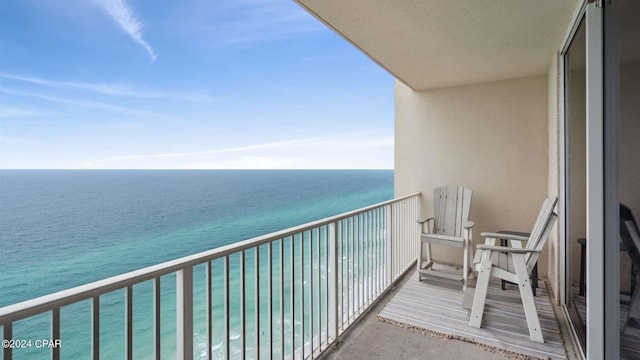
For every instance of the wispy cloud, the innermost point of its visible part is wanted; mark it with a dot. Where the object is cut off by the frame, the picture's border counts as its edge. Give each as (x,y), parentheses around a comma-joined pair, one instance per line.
(8,111)
(340,151)
(122,14)
(252,31)
(209,152)
(83,103)
(246,22)
(107,89)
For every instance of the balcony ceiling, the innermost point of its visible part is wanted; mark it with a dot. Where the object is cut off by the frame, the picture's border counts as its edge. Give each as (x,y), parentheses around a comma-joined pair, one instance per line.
(441,43)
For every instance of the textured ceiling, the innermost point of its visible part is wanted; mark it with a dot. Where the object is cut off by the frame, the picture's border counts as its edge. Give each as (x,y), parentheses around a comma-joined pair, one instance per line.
(439,43)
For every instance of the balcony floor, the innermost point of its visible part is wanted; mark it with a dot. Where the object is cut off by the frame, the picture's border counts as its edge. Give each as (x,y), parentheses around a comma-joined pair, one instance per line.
(424,320)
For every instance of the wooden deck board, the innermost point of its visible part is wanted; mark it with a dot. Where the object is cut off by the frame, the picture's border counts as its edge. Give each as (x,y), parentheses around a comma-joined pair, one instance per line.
(435,304)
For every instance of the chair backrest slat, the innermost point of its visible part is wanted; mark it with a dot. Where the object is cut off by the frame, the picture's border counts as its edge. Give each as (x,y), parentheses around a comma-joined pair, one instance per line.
(541,222)
(438,209)
(541,230)
(451,205)
(532,258)
(466,207)
(459,210)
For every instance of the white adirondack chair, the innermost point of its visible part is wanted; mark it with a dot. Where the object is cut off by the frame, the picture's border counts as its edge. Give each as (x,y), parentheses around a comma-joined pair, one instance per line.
(449,226)
(513,264)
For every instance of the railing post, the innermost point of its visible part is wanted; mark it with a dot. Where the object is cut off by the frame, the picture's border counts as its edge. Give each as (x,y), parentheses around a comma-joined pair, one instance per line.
(184,315)
(55,333)
(157,340)
(333,283)
(416,230)
(256,276)
(128,322)
(7,334)
(243,328)
(95,328)
(389,243)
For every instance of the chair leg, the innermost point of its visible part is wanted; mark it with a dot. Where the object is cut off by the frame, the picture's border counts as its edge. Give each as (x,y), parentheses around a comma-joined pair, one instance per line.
(470,259)
(465,266)
(534,279)
(503,283)
(535,332)
(419,262)
(482,285)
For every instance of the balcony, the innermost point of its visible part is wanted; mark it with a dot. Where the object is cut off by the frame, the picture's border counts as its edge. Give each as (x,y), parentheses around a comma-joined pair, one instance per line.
(305,292)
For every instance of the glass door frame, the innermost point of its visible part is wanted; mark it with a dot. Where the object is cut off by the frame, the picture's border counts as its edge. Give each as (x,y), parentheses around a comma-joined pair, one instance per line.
(563,226)
(611,202)
(602,338)
(595,184)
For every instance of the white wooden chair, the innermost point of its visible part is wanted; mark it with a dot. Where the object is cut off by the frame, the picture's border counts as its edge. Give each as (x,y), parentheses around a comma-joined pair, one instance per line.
(513,264)
(449,226)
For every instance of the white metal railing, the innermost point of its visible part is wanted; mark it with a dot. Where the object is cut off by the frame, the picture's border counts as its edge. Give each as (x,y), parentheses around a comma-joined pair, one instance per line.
(302,287)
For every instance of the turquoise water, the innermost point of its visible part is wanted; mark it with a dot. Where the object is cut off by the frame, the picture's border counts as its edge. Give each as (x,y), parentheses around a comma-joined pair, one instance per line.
(60,229)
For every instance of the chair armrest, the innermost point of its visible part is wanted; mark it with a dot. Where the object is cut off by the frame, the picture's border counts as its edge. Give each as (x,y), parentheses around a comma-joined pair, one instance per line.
(424,221)
(469,224)
(506,249)
(504,236)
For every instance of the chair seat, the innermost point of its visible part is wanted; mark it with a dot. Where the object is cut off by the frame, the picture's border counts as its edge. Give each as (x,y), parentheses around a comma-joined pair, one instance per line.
(447,240)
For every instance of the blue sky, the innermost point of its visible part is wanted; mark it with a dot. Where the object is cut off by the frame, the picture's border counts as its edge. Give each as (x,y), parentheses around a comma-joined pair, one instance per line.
(98,84)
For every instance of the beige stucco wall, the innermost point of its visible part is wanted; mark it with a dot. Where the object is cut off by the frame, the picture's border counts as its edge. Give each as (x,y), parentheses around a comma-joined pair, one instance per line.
(491,137)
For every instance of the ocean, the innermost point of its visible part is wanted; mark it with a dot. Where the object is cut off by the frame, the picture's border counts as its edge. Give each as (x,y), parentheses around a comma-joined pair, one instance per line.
(64,228)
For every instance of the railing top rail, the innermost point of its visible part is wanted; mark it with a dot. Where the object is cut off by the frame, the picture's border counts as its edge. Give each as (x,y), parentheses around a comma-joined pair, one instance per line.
(44,303)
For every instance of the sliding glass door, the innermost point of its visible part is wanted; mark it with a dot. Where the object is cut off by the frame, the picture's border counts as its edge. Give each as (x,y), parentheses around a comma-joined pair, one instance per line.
(601,179)
(575,126)
(625,56)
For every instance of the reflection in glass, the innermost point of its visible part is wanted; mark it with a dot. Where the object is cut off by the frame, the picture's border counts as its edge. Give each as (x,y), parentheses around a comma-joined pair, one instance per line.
(575,142)
(629,176)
